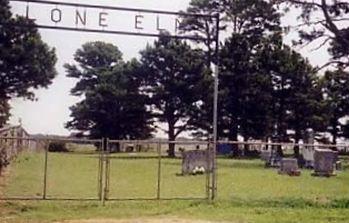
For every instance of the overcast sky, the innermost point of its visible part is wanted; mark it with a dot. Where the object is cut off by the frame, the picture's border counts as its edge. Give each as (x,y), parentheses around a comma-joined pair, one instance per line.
(48,114)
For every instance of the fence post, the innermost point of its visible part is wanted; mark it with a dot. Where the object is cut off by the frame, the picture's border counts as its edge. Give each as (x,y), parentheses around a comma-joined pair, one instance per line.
(47,144)
(100,170)
(13,152)
(3,155)
(159,170)
(208,171)
(107,169)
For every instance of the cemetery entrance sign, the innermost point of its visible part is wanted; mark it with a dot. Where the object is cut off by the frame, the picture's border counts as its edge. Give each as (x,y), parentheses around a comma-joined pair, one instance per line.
(68,16)
(105,19)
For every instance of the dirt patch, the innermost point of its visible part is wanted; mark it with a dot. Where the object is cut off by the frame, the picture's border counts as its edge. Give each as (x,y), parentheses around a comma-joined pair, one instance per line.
(171,220)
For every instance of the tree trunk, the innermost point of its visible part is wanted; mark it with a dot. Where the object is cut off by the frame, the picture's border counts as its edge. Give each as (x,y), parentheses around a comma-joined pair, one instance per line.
(171,137)
(246,147)
(281,129)
(266,141)
(233,136)
(209,59)
(296,147)
(334,134)
(279,151)
(297,154)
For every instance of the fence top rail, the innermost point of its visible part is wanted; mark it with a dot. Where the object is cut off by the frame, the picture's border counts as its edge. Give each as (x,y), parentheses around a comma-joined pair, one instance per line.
(77,140)
(283,144)
(72,140)
(159,141)
(229,142)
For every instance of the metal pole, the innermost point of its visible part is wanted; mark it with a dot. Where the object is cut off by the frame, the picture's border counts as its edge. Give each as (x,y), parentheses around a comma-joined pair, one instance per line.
(100,171)
(45,170)
(208,172)
(159,171)
(215,112)
(107,170)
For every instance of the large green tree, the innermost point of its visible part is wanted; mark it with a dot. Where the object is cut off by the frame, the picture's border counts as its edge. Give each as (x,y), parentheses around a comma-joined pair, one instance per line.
(112,105)
(249,17)
(204,27)
(242,86)
(249,22)
(175,80)
(26,62)
(297,98)
(268,89)
(336,94)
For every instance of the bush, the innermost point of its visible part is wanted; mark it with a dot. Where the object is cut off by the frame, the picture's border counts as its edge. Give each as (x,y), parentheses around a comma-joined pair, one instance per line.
(58,147)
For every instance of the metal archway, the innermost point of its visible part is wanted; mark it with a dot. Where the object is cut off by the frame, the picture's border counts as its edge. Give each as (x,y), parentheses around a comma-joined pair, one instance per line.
(56,23)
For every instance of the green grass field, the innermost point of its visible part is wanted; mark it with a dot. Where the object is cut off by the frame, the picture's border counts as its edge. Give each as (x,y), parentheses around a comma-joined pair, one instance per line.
(247,192)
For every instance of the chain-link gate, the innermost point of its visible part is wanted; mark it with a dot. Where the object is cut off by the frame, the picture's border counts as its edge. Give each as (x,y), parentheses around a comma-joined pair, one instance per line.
(103,169)
(106,157)
(82,164)
(142,170)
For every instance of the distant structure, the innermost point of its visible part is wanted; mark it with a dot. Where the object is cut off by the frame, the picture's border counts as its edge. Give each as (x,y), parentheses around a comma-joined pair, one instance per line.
(13,140)
(16,131)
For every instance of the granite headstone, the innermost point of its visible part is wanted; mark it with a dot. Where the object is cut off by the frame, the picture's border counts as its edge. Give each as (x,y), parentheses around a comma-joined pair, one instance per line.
(195,159)
(289,166)
(324,162)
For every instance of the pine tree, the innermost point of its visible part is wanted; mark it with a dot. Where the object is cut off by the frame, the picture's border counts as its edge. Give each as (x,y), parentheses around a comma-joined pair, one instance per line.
(175,80)
(112,104)
(336,94)
(249,21)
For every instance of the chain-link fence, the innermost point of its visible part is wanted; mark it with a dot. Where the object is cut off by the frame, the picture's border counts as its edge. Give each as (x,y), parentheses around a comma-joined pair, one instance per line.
(28,156)
(290,172)
(107,170)
(75,169)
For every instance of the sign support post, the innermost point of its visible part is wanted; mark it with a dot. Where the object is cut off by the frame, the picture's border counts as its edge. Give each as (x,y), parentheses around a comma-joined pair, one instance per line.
(215,112)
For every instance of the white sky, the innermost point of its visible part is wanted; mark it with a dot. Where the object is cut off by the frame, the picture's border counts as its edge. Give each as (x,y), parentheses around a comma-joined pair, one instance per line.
(48,114)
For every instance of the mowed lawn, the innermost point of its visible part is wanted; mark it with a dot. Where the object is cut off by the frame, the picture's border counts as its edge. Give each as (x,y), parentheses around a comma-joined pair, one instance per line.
(247,192)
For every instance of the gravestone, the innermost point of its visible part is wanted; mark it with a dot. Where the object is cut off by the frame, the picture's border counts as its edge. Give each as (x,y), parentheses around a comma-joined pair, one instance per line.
(324,162)
(289,167)
(195,159)
(265,155)
(308,151)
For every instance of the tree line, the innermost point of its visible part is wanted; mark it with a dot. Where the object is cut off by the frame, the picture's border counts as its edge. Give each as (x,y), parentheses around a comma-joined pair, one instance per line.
(267,89)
